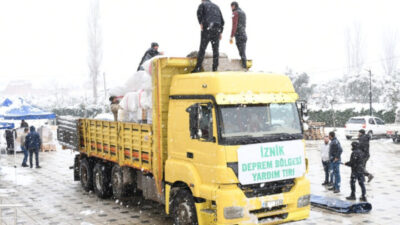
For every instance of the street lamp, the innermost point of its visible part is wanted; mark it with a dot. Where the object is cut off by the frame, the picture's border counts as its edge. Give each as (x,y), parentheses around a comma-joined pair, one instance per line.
(370,92)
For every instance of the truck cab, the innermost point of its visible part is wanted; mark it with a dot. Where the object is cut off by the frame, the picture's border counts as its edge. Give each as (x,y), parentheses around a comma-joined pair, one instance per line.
(236,153)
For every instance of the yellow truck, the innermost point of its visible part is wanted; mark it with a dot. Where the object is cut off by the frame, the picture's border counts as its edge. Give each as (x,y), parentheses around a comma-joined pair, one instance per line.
(223,148)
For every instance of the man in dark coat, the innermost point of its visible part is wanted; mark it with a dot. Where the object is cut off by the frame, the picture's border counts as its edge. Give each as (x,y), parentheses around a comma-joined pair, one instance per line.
(363,140)
(239,31)
(335,152)
(24,124)
(211,25)
(150,53)
(33,144)
(357,171)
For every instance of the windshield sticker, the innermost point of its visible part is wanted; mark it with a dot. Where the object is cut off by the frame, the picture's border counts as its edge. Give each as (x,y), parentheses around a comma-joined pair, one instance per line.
(259,163)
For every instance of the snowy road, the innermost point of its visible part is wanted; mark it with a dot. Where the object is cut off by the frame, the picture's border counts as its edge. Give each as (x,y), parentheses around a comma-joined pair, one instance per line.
(50,196)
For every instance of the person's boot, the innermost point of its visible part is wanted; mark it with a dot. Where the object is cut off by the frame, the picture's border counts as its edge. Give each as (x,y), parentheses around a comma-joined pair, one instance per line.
(196,70)
(336,191)
(24,165)
(325,183)
(351,197)
(363,198)
(38,167)
(331,188)
(370,177)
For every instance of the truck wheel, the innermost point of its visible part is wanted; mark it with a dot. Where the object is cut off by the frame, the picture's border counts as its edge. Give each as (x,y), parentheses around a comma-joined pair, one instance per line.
(184,209)
(86,175)
(118,187)
(348,137)
(101,180)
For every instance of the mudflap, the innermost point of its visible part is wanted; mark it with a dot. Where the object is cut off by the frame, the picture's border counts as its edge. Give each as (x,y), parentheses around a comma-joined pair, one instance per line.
(340,206)
(76,167)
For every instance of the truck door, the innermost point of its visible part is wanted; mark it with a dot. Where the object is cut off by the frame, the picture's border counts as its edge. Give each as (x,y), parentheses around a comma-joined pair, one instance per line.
(193,138)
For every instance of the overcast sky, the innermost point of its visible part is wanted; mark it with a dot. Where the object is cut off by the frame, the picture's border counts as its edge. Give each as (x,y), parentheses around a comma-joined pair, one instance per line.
(45,41)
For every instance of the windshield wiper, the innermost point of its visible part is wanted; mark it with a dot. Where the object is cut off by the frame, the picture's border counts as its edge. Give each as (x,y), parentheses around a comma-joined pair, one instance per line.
(287,136)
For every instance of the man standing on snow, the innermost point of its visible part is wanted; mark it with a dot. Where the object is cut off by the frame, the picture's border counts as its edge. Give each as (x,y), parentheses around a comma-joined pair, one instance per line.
(357,172)
(239,31)
(335,152)
(33,144)
(325,161)
(24,124)
(363,139)
(23,138)
(211,25)
(150,53)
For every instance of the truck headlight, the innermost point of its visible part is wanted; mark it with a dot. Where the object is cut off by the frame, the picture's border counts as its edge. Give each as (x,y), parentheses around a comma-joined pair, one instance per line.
(303,201)
(233,212)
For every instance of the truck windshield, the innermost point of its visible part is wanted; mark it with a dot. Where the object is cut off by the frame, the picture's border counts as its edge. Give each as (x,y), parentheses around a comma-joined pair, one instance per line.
(257,121)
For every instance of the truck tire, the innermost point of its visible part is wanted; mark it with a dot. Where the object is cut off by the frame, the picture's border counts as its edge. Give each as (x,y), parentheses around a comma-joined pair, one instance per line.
(184,209)
(119,189)
(85,173)
(102,181)
(349,137)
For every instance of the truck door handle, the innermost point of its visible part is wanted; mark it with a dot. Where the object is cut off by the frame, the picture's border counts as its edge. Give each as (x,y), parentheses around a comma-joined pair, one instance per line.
(189,155)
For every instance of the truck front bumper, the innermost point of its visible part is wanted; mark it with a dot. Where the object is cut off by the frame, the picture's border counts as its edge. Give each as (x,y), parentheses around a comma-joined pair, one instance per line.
(233,207)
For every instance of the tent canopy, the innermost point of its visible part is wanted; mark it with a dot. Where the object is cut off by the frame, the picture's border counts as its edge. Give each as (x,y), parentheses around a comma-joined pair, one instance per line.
(27,112)
(6,125)
(7,102)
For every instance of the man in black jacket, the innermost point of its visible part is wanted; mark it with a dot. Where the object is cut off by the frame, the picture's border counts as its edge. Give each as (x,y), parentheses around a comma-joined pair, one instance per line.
(150,53)
(335,152)
(363,140)
(357,171)
(211,25)
(33,143)
(239,31)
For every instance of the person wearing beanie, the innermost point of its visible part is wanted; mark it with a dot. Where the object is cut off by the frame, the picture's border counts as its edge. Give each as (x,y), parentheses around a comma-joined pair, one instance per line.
(150,53)
(363,140)
(357,172)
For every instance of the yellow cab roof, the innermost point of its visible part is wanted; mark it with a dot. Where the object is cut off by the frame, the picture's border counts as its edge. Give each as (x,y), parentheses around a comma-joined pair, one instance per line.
(235,87)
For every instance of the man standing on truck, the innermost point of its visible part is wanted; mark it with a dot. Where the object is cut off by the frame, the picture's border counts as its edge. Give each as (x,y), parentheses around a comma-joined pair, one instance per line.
(363,139)
(335,152)
(150,53)
(211,25)
(239,31)
(33,144)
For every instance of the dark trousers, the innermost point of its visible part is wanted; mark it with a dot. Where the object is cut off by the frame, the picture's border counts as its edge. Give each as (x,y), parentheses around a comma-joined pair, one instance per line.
(336,174)
(207,36)
(366,173)
(361,180)
(327,169)
(25,155)
(31,151)
(241,45)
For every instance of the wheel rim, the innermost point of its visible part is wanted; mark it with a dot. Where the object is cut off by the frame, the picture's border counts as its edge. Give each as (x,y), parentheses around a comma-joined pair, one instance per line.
(116,181)
(98,181)
(84,176)
(183,214)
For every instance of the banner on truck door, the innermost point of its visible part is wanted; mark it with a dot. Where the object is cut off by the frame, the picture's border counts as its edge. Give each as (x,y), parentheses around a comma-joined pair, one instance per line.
(259,163)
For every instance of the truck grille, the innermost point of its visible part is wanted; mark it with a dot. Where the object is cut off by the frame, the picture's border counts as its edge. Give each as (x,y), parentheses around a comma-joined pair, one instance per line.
(270,188)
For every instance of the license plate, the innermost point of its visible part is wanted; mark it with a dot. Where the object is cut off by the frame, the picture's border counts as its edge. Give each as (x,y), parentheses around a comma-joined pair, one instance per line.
(273,203)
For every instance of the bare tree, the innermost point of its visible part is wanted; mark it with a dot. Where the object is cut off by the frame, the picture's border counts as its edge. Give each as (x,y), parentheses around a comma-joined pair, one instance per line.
(95,45)
(390,60)
(355,49)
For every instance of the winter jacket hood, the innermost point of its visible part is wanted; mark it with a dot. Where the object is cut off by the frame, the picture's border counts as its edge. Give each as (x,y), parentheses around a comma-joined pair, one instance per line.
(32,129)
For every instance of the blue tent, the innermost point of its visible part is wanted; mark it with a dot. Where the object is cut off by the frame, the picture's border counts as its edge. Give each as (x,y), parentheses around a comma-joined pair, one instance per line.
(7,102)
(27,112)
(6,125)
